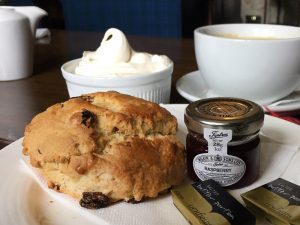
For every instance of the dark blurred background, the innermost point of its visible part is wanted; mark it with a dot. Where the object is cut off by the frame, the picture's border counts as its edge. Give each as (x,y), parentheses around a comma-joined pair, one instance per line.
(164,18)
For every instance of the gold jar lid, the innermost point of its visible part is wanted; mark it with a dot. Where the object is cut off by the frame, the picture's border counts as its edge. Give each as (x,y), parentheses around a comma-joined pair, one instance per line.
(241,116)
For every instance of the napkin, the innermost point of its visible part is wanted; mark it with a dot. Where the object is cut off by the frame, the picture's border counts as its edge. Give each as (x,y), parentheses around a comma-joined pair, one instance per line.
(277,160)
(292,173)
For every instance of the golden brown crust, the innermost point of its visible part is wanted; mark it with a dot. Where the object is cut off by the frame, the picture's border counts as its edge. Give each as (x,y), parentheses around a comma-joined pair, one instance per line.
(121,146)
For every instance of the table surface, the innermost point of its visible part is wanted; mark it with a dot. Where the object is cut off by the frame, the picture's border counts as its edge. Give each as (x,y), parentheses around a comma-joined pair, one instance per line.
(22,99)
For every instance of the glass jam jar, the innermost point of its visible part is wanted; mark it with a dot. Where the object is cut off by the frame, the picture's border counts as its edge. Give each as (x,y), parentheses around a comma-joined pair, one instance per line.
(223,140)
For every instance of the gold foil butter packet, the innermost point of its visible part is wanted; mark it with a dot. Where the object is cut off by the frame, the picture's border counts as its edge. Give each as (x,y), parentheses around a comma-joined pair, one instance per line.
(207,203)
(277,201)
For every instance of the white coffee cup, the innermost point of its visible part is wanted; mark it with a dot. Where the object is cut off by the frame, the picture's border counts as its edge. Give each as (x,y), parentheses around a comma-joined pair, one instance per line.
(258,62)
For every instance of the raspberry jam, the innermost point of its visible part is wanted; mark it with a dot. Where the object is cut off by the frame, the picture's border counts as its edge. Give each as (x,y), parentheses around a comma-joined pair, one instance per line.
(223,142)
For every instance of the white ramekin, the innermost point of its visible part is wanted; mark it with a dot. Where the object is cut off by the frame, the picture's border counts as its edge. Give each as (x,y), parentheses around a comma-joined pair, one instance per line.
(155,87)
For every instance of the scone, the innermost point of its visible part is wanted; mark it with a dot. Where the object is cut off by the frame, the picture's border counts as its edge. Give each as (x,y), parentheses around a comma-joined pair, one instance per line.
(105,147)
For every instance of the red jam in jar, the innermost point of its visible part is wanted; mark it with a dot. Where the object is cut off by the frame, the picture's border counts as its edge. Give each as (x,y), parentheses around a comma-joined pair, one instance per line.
(223,141)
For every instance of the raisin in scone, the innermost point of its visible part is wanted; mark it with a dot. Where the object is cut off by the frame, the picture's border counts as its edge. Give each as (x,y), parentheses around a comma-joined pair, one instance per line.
(115,145)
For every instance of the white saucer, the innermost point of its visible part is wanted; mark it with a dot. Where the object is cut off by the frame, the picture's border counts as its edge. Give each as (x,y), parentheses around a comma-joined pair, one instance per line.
(193,87)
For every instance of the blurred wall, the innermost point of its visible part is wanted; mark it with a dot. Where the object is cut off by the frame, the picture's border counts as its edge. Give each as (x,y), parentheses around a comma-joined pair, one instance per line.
(195,13)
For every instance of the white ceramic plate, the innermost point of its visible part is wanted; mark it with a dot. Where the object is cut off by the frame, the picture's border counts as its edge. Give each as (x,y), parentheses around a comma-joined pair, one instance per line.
(193,87)
(24,202)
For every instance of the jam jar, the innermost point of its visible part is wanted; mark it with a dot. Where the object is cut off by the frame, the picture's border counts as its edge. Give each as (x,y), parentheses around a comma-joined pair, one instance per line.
(223,140)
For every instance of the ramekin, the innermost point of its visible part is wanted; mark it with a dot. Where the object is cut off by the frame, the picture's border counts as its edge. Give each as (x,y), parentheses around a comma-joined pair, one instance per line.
(155,87)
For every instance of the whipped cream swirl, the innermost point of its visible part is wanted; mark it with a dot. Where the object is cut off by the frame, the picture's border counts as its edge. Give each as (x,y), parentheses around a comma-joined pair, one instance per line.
(115,57)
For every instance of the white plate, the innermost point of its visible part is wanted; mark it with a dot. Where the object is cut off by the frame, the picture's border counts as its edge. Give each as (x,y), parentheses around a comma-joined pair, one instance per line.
(24,202)
(193,87)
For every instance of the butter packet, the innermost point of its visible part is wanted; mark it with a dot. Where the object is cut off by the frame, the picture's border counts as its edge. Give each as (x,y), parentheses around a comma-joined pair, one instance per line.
(277,201)
(207,203)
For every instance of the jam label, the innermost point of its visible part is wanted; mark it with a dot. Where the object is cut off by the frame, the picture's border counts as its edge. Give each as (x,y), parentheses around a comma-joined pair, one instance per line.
(217,164)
